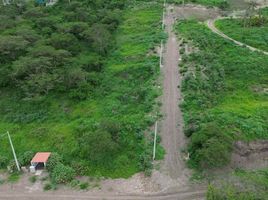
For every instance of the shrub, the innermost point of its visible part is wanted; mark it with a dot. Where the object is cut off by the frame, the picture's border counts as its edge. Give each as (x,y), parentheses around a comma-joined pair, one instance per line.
(84,186)
(13,178)
(81,168)
(210,147)
(62,174)
(33,179)
(3,162)
(53,161)
(26,158)
(146,163)
(12,166)
(47,186)
(74,183)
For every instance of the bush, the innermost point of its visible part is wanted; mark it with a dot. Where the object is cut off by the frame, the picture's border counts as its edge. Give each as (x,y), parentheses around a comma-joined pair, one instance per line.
(81,168)
(53,161)
(84,186)
(74,183)
(146,163)
(26,158)
(12,166)
(210,147)
(3,162)
(33,179)
(62,174)
(47,186)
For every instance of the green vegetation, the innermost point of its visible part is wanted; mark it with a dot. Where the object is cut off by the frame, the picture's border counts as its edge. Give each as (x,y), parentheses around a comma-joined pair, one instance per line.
(13,178)
(48,186)
(62,174)
(84,186)
(250,185)
(223,4)
(252,32)
(78,79)
(33,179)
(224,96)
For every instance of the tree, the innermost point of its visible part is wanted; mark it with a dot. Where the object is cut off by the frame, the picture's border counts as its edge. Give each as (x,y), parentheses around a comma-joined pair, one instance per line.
(100,38)
(11,47)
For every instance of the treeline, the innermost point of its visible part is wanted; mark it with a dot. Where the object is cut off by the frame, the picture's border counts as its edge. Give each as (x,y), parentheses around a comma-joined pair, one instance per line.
(56,49)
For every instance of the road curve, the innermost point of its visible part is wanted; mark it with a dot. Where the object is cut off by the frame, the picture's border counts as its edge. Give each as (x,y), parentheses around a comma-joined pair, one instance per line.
(212,27)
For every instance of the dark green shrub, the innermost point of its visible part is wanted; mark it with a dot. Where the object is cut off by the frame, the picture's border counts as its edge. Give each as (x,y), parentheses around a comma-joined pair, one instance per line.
(210,147)
(53,160)
(33,179)
(81,168)
(62,174)
(84,186)
(26,158)
(3,162)
(47,186)
(146,163)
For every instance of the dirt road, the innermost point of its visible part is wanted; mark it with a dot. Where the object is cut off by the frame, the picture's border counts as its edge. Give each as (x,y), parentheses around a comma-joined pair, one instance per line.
(212,27)
(173,138)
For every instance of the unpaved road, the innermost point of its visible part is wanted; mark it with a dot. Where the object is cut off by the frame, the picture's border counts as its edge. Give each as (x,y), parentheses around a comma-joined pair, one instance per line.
(212,27)
(173,138)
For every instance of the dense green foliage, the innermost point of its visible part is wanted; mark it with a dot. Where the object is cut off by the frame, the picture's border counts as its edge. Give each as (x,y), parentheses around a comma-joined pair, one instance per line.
(56,49)
(218,3)
(225,97)
(254,34)
(62,174)
(250,185)
(72,82)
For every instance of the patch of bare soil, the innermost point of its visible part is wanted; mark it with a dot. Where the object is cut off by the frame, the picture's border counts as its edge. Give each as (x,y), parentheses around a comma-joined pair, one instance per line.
(198,12)
(251,155)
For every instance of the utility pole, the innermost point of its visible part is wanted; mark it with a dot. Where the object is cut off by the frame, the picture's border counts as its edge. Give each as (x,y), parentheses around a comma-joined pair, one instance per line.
(13,151)
(155,134)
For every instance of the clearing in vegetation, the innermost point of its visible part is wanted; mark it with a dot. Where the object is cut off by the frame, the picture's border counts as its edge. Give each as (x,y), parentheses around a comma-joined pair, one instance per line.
(80,84)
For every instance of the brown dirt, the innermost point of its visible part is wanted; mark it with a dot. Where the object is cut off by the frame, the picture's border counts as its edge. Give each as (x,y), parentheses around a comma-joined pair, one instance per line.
(251,155)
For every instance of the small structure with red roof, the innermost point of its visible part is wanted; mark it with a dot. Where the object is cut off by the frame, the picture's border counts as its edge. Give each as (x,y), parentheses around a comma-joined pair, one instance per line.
(39,161)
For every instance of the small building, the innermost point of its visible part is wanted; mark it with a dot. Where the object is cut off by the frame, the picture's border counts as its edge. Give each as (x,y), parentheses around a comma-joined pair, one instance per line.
(39,161)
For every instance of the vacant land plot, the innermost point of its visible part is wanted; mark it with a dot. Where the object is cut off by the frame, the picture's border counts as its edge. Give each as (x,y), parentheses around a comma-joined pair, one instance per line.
(225,95)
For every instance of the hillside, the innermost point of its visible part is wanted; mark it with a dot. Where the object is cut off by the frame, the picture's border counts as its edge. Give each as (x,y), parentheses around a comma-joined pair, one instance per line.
(80,84)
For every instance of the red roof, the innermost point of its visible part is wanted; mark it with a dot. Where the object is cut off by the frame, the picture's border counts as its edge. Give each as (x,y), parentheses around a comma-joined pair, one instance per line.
(41,157)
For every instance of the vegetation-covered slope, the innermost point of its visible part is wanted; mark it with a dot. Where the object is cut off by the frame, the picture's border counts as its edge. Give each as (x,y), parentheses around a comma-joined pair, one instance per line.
(225,97)
(217,3)
(74,83)
(253,34)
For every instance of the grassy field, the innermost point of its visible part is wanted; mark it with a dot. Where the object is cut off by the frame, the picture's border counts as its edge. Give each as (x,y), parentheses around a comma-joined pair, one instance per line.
(225,97)
(123,104)
(210,3)
(255,36)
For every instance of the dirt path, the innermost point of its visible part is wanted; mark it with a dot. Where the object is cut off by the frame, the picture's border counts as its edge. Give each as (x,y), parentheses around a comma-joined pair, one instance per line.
(212,27)
(173,138)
